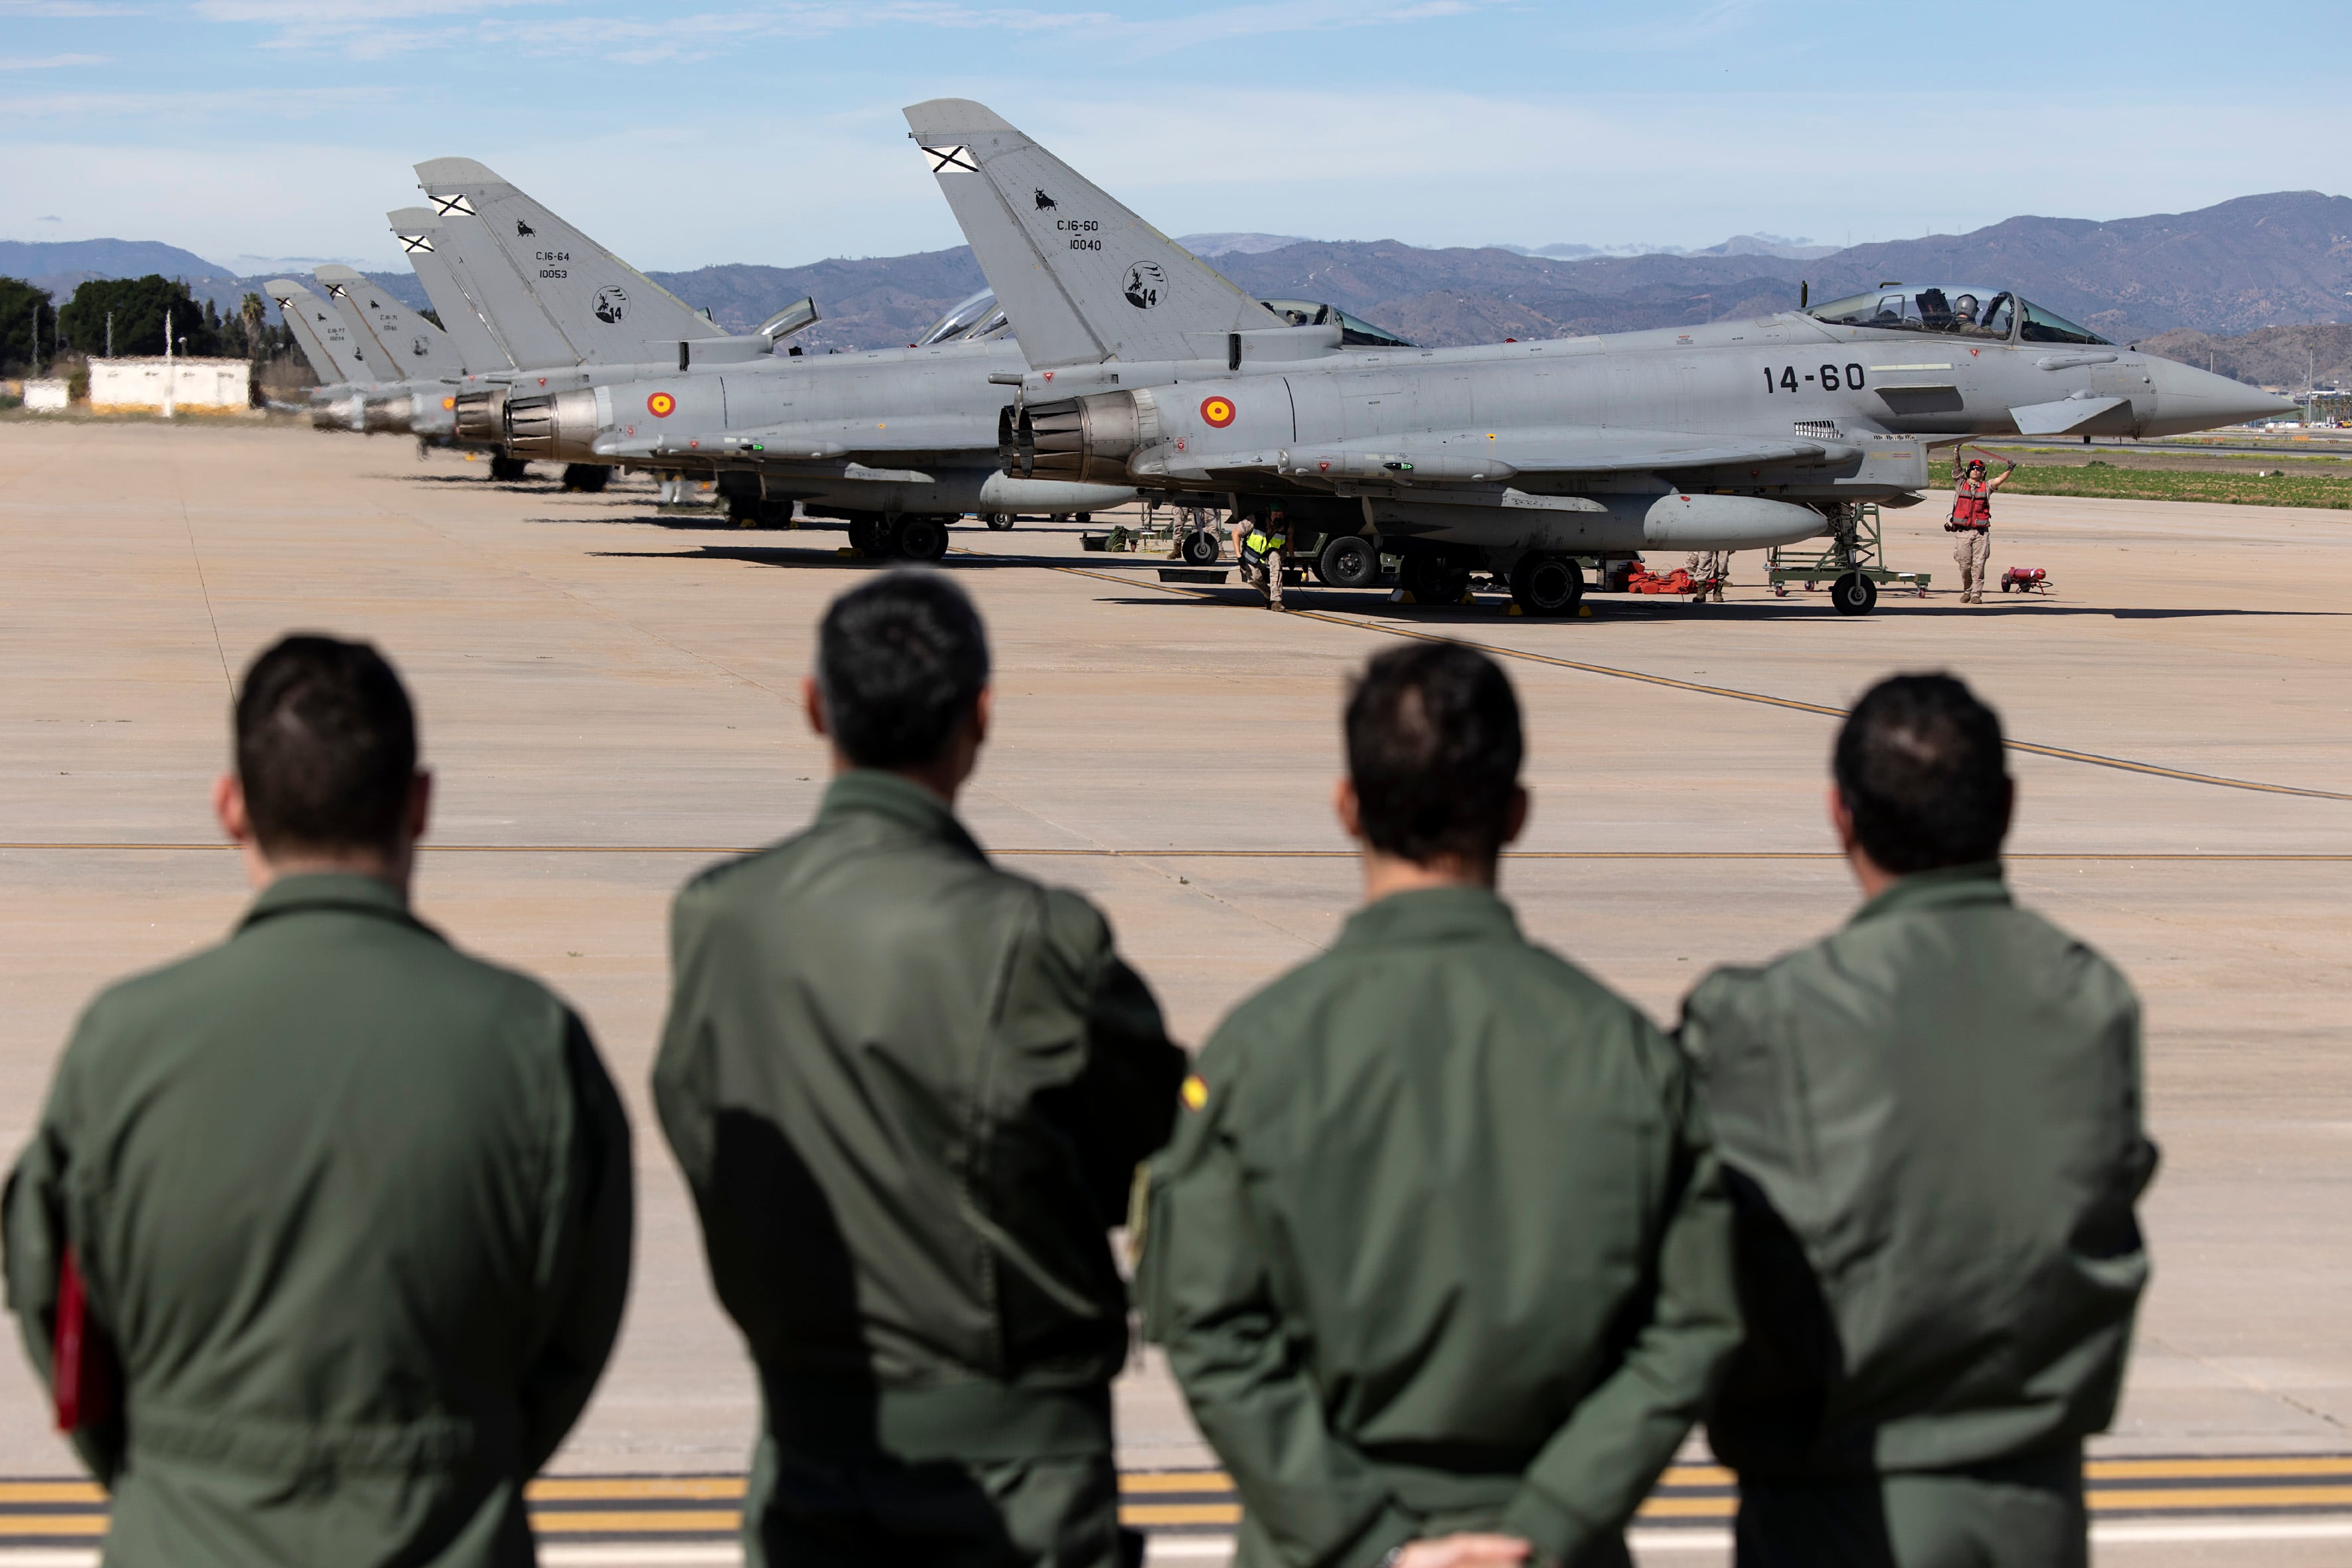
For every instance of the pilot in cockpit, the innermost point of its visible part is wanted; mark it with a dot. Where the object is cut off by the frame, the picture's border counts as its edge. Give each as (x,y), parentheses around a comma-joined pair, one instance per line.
(1964,310)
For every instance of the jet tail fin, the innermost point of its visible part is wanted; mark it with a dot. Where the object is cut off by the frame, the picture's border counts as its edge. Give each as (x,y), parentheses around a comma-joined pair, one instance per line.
(1082,278)
(326,341)
(419,231)
(605,309)
(409,346)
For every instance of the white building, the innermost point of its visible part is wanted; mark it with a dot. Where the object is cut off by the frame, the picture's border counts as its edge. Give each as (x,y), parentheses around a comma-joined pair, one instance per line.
(45,397)
(172,385)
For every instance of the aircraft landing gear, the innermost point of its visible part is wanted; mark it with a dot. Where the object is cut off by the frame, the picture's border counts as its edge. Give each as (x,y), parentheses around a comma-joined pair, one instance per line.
(872,535)
(1001,521)
(1198,548)
(509,469)
(1434,579)
(1853,595)
(587,479)
(922,538)
(1349,561)
(1546,585)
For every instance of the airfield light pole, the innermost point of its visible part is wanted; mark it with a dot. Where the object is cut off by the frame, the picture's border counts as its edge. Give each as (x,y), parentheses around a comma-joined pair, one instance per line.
(171,403)
(109,334)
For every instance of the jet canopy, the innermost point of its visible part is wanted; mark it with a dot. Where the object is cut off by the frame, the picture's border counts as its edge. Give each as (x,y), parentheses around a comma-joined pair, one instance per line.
(1957,309)
(971,321)
(1355,333)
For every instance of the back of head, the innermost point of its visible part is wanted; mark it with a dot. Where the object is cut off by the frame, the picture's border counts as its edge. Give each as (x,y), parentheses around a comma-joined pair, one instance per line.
(1434,750)
(326,747)
(1919,765)
(900,662)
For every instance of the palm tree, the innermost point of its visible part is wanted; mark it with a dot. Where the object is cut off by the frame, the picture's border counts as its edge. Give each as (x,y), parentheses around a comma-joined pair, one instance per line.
(252,310)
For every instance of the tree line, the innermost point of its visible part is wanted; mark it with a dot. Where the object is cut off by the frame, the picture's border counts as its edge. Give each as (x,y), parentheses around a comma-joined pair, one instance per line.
(125,316)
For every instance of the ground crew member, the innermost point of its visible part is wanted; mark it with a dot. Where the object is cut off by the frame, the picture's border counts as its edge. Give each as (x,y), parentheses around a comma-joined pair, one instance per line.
(1709,566)
(330,1220)
(910,1091)
(1262,543)
(1972,520)
(1930,1121)
(1439,1256)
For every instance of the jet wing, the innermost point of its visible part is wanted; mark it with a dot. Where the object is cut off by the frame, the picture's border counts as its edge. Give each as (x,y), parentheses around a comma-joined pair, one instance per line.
(1482,458)
(2064,417)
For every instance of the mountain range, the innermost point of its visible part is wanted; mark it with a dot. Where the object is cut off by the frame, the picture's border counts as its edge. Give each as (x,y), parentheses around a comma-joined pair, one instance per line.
(2277,261)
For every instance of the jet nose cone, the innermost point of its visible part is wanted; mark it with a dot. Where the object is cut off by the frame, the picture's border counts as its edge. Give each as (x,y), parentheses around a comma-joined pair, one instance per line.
(2190,399)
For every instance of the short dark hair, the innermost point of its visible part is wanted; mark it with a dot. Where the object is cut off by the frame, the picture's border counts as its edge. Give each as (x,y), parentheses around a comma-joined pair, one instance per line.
(900,661)
(326,746)
(1919,765)
(1434,749)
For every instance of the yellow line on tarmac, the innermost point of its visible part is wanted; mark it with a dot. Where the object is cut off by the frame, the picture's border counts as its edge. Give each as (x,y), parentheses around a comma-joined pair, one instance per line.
(600,1521)
(2182,1469)
(2034,748)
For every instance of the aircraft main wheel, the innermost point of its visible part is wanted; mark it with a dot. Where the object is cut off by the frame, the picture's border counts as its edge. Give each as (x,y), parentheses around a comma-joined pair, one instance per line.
(1200,547)
(1548,585)
(867,535)
(744,511)
(1001,521)
(1433,580)
(1084,517)
(509,469)
(1349,561)
(922,538)
(1854,595)
(587,479)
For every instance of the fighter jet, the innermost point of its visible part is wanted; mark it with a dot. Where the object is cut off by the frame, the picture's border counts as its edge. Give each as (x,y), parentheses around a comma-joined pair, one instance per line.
(895,442)
(340,400)
(565,312)
(1147,367)
(421,367)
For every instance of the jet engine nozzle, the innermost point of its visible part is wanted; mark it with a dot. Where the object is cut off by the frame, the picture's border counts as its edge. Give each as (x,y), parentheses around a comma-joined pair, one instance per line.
(482,416)
(560,427)
(1081,439)
(379,415)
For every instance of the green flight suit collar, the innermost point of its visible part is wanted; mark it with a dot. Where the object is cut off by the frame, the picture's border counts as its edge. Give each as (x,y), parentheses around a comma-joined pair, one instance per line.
(1430,914)
(875,793)
(330,890)
(1947,886)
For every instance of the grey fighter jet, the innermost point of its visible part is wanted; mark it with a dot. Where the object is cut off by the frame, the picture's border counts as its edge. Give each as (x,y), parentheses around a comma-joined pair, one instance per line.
(895,442)
(565,312)
(340,400)
(422,367)
(1147,367)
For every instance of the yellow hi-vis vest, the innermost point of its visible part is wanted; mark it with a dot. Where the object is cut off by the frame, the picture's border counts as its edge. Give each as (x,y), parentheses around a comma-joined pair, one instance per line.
(1258,540)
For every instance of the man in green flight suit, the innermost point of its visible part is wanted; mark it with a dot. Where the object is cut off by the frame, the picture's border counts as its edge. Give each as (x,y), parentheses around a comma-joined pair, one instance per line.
(1931,1123)
(910,1091)
(1439,1255)
(332,1222)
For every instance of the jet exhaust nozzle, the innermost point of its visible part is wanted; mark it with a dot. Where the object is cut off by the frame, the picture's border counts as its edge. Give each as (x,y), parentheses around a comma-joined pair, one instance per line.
(558,428)
(482,416)
(1081,439)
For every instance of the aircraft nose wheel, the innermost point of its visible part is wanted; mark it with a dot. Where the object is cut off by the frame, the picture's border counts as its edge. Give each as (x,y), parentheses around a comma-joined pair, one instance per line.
(1200,547)
(1853,595)
(1349,562)
(1000,521)
(1548,585)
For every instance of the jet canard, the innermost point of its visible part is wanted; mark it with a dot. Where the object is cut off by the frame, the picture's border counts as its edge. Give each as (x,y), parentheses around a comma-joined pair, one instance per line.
(1146,365)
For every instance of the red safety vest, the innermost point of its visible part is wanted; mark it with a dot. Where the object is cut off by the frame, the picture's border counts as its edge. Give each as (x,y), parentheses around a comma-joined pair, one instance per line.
(1972,505)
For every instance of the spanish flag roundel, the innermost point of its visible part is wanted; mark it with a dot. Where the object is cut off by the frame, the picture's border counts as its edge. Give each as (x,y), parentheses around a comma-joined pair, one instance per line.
(660,404)
(1217,411)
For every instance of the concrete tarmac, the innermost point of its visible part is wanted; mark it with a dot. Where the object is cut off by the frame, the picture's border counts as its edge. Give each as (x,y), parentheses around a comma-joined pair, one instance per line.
(609,698)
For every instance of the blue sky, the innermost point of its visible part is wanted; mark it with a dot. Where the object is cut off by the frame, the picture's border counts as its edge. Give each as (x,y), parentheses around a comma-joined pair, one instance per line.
(698,133)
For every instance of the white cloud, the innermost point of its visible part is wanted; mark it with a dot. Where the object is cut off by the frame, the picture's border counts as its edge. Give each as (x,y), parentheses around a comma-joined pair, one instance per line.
(48,62)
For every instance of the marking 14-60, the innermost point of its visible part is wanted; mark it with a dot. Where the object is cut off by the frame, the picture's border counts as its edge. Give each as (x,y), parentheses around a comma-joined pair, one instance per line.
(1827,380)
